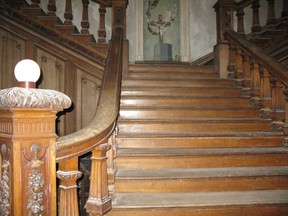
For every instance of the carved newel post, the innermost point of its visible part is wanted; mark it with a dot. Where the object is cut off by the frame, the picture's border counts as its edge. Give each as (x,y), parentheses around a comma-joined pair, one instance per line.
(27,144)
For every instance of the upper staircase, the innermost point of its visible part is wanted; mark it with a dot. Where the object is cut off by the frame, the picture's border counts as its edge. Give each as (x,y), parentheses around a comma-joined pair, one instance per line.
(190,144)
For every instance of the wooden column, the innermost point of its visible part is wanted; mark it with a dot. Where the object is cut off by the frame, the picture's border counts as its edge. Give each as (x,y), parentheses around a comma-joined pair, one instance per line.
(51,8)
(256,20)
(68,174)
(102,30)
(284,13)
(224,21)
(99,202)
(85,21)
(240,25)
(271,20)
(68,13)
(265,95)
(255,84)
(28,150)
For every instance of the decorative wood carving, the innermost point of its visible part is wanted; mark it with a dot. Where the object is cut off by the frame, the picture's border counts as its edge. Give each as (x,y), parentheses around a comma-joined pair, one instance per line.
(35,183)
(99,201)
(5,181)
(33,98)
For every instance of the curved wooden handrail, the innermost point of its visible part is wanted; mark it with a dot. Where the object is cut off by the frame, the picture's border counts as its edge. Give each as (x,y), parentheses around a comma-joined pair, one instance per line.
(274,67)
(103,123)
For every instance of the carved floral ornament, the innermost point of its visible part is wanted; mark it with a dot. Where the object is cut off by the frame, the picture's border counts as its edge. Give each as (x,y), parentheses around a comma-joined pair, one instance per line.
(33,98)
(27,72)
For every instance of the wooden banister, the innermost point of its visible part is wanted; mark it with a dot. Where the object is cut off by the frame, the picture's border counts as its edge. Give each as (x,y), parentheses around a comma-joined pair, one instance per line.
(276,69)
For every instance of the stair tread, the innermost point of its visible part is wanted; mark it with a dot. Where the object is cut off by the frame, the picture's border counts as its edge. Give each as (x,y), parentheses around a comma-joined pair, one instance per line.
(201,151)
(181,173)
(202,134)
(197,199)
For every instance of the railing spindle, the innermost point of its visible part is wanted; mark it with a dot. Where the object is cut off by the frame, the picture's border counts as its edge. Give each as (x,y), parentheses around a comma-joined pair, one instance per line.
(51,8)
(240,25)
(99,201)
(284,13)
(85,20)
(232,61)
(256,20)
(68,13)
(255,84)
(102,30)
(68,174)
(35,3)
(271,13)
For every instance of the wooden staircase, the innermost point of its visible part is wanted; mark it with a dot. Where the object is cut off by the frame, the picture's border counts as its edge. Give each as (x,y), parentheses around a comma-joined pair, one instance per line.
(190,144)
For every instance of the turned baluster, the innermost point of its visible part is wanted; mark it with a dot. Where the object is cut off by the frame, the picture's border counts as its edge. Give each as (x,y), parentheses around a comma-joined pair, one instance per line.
(68,13)
(256,20)
(231,68)
(112,168)
(239,64)
(271,13)
(277,105)
(285,126)
(99,201)
(255,84)
(240,25)
(265,95)
(284,13)
(51,8)
(246,70)
(102,30)
(85,20)
(68,174)
(35,3)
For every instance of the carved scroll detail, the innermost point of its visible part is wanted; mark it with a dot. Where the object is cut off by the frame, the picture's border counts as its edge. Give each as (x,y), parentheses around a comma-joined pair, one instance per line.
(35,184)
(5,182)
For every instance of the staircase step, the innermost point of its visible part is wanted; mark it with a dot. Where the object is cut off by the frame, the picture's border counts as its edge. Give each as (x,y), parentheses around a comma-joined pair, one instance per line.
(252,203)
(181,92)
(201,179)
(231,140)
(49,21)
(191,126)
(176,83)
(86,39)
(184,102)
(186,113)
(175,68)
(172,74)
(68,30)
(201,158)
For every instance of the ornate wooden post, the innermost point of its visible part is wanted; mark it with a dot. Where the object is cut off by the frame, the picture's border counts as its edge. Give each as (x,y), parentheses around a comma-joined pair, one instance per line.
(68,174)
(27,144)
(51,8)
(68,13)
(224,21)
(265,95)
(271,20)
(102,30)
(256,20)
(284,13)
(99,202)
(255,84)
(240,24)
(85,21)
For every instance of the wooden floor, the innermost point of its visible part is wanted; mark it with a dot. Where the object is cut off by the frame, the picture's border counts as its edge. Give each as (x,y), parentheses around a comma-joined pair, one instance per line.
(190,144)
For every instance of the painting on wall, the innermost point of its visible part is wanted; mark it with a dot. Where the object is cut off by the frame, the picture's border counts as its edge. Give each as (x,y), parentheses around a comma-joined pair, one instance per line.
(161,35)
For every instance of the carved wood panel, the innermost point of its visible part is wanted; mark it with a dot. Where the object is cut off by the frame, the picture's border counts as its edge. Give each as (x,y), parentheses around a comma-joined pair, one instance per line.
(88,91)
(12,50)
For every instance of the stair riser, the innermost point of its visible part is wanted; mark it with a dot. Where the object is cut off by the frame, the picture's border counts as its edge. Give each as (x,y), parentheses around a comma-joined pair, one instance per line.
(186,114)
(178,128)
(201,185)
(250,210)
(199,142)
(177,83)
(196,92)
(204,161)
(171,75)
(188,102)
